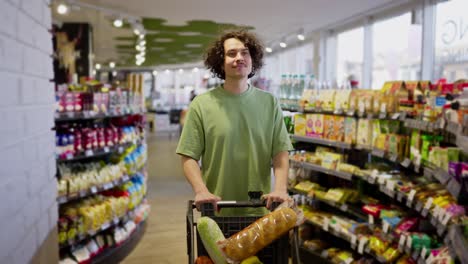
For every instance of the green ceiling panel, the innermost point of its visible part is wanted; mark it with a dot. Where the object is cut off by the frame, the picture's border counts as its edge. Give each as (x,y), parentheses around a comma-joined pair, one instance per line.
(166,44)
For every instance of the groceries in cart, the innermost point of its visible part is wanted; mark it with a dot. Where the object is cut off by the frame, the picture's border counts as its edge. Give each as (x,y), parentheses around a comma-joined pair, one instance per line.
(242,246)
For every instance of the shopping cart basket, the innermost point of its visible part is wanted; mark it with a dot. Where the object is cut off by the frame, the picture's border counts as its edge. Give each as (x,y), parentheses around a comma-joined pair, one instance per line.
(275,253)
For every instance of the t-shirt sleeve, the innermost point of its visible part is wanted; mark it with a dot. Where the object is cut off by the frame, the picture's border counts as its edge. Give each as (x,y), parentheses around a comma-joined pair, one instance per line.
(281,140)
(192,139)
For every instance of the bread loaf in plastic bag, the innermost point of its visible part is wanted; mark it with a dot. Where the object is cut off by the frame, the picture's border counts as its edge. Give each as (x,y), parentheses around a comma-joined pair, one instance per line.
(258,235)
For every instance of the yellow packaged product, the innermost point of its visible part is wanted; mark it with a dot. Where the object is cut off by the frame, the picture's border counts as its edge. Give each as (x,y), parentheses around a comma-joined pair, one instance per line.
(318,125)
(314,159)
(342,100)
(353,99)
(320,150)
(310,131)
(335,195)
(364,132)
(338,129)
(331,160)
(328,126)
(350,129)
(381,142)
(344,167)
(306,186)
(328,99)
(300,125)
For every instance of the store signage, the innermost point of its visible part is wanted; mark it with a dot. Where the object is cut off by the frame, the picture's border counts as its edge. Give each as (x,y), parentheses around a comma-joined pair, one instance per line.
(453,30)
(454,40)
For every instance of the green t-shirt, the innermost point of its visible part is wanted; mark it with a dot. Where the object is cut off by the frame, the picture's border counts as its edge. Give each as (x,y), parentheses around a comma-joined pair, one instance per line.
(236,137)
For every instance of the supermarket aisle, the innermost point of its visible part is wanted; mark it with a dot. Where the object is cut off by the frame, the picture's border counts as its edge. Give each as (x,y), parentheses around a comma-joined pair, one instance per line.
(168,192)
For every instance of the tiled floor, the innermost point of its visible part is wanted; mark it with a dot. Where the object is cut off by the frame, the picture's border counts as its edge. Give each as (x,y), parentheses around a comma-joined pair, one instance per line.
(168,193)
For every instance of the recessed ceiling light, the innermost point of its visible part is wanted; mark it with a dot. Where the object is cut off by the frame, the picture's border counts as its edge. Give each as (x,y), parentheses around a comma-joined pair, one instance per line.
(62,9)
(182,52)
(188,34)
(167,71)
(300,37)
(194,45)
(118,23)
(112,64)
(136,31)
(98,66)
(138,63)
(143,43)
(163,40)
(181,70)
(157,48)
(114,73)
(283,45)
(142,36)
(155,72)
(94,72)
(195,69)
(268,49)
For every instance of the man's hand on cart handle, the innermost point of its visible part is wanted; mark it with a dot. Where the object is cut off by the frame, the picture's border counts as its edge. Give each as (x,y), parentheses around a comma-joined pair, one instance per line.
(206,197)
(275,196)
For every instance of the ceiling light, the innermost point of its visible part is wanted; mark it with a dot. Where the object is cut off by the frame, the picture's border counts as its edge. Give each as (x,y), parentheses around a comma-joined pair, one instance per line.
(62,9)
(142,48)
(142,43)
(181,70)
(300,37)
(142,36)
(94,72)
(195,69)
(136,31)
(112,64)
(114,73)
(98,66)
(167,71)
(138,63)
(193,45)
(283,45)
(163,40)
(155,73)
(268,49)
(118,23)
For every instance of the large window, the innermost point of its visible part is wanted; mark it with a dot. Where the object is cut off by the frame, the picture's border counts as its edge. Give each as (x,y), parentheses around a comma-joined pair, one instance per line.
(451,46)
(396,50)
(349,55)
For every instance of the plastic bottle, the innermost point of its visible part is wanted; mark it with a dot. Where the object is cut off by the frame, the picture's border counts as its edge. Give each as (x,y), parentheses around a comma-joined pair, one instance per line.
(301,86)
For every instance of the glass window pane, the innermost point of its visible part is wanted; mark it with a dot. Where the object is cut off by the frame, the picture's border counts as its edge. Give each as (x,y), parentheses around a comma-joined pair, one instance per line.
(396,50)
(451,49)
(350,55)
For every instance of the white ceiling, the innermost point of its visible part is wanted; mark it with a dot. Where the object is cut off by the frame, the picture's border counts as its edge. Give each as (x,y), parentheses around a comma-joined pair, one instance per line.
(272,19)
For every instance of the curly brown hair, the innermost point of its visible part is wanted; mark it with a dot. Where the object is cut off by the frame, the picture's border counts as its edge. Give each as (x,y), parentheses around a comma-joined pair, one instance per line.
(214,57)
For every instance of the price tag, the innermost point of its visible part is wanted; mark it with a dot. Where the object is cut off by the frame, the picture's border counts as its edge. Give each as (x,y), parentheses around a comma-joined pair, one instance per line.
(89,153)
(348,260)
(326,224)
(373,176)
(115,221)
(393,157)
(362,243)
(81,254)
(430,258)
(395,116)
(409,242)
(390,185)
(411,195)
(423,252)
(402,116)
(324,254)
(83,193)
(446,218)
(353,240)
(69,156)
(400,196)
(120,149)
(105,226)
(344,207)
(351,112)
(125,177)
(62,199)
(382,115)
(428,204)
(406,163)
(419,206)
(415,254)
(402,243)
(371,219)
(454,187)
(441,229)
(94,189)
(106,149)
(70,114)
(386,226)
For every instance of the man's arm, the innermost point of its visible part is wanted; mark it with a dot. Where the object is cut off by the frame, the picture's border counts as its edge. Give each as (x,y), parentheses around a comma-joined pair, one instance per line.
(193,174)
(280,168)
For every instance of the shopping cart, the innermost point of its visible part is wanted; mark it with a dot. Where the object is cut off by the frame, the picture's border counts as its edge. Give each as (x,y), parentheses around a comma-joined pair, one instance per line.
(275,253)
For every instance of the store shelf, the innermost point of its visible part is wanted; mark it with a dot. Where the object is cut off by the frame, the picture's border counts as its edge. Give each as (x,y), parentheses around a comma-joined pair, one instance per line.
(96,153)
(78,116)
(458,243)
(309,256)
(318,168)
(118,253)
(320,141)
(93,190)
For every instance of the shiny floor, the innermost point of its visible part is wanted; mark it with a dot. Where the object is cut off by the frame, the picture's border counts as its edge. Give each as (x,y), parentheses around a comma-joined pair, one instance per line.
(168,192)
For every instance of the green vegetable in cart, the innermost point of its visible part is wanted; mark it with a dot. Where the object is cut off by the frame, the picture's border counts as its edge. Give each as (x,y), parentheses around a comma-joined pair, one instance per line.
(252,260)
(210,234)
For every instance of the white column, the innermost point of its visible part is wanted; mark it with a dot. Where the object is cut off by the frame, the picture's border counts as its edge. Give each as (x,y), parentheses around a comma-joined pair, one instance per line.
(368,59)
(428,40)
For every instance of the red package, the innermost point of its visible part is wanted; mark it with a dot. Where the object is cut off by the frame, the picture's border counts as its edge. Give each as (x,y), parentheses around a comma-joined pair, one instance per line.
(101,139)
(406,225)
(78,102)
(69,102)
(373,210)
(109,133)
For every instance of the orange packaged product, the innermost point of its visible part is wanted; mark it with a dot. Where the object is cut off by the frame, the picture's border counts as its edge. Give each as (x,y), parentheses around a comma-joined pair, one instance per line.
(310,130)
(328,126)
(318,125)
(338,128)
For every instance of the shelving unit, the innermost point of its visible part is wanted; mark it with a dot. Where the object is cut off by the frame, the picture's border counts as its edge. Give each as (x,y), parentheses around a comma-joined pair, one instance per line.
(438,219)
(84,116)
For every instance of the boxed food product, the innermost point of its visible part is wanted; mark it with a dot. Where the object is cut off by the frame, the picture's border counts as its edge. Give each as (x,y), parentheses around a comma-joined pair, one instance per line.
(338,128)
(331,160)
(310,131)
(328,99)
(350,128)
(364,132)
(328,126)
(353,99)
(300,124)
(318,125)
(342,100)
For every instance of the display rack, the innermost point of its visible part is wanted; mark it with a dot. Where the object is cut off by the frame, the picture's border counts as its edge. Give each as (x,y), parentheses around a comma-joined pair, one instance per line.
(440,221)
(85,116)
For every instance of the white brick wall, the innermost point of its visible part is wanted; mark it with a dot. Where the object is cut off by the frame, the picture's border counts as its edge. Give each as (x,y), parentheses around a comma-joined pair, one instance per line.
(28,210)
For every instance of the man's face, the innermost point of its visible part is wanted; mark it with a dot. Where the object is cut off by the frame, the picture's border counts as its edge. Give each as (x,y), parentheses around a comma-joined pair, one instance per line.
(237,60)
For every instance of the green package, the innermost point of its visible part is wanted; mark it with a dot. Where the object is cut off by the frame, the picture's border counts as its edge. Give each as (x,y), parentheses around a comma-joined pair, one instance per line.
(426,144)
(415,148)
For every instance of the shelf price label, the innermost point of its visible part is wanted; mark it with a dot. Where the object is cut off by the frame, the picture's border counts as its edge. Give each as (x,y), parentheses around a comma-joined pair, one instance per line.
(349,261)
(94,189)
(326,224)
(402,242)
(409,242)
(106,149)
(371,219)
(69,156)
(424,252)
(89,153)
(372,178)
(447,218)
(386,226)
(120,149)
(395,116)
(362,244)
(353,241)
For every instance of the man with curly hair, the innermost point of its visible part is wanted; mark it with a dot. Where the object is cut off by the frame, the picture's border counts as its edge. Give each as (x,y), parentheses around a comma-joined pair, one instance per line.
(236,129)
